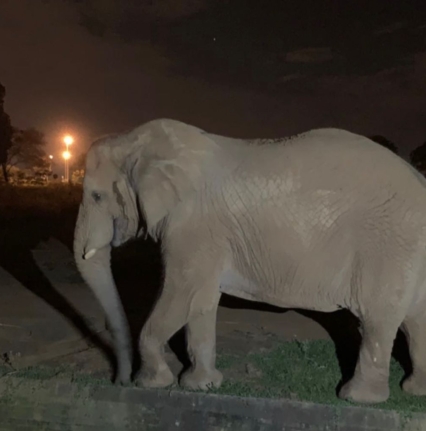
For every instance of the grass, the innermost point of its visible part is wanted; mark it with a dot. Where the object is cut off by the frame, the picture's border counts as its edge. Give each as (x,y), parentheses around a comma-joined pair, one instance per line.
(38,201)
(48,373)
(304,371)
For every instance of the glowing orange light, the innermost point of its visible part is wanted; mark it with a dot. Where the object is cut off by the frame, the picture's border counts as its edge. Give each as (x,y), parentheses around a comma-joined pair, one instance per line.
(68,139)
(66,155)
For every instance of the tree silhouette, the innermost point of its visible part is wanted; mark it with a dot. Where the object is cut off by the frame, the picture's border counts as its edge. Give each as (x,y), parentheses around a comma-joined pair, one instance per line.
(418,158)
(6,133)
(78,167)
(27,149)
(384,142)
(29,144)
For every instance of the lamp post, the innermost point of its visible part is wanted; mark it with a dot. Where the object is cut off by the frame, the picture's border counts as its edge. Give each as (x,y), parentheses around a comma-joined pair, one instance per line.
(50,165)
(68,140)
(67,155)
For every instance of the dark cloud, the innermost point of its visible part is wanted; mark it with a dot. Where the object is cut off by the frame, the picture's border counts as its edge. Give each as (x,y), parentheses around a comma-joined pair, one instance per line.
(249,42)
(309,55)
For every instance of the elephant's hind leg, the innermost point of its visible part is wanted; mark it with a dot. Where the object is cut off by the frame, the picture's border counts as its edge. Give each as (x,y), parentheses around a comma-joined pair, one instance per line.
(190,294)
(381,289)
(370,383)
(414,328)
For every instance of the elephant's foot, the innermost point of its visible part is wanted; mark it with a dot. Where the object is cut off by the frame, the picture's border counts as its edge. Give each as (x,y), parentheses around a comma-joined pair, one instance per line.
(415,384)
(160,378)
(198,378)
(359,391)
(122,380)
(124,373)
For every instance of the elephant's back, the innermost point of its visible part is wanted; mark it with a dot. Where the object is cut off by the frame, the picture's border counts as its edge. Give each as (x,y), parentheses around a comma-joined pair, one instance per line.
(329,159)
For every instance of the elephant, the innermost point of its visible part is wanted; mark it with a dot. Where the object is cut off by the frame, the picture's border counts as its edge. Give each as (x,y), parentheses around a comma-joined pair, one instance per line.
(323,220)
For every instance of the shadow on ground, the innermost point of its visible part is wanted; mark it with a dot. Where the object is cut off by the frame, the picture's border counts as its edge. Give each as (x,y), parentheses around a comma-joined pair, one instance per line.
(18,237)
(137,268)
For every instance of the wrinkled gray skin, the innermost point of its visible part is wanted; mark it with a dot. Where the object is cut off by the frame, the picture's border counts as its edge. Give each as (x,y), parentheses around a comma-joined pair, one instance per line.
(319,221)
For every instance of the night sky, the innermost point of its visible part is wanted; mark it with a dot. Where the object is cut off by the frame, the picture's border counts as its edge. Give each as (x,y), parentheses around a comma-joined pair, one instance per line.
(239,68)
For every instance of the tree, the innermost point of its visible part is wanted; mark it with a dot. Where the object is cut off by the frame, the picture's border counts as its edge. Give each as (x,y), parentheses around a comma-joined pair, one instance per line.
(6,133)
(27,150)
(78,166)
(418,158)
(384,142)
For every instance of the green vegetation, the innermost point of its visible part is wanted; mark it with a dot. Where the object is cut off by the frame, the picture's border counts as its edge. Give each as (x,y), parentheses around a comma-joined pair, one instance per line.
(304,371)
(46,373)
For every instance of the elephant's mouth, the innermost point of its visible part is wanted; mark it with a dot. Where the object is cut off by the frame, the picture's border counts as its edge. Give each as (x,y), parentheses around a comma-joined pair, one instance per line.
(121,232)
(120,227)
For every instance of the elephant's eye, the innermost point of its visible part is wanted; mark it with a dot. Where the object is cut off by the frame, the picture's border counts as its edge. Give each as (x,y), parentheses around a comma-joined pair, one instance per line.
(96,196)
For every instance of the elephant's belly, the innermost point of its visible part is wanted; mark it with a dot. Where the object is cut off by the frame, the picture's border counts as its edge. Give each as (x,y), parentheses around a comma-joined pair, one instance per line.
(235,284)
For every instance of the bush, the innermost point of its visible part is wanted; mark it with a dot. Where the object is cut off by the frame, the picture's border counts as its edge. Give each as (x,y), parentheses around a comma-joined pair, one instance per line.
(77,176)
(51,199)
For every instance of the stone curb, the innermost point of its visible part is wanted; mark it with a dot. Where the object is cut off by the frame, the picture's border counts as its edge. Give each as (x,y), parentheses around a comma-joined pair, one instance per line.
(62,405)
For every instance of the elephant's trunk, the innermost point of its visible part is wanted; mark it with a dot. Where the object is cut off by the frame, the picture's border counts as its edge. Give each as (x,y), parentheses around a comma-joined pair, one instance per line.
(97,273)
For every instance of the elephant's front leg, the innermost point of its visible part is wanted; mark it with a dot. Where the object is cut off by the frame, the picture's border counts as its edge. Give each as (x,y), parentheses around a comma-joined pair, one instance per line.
(201,342)
(187,295)
(155,371)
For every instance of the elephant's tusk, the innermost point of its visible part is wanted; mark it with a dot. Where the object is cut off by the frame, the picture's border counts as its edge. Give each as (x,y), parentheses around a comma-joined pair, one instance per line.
(90,253)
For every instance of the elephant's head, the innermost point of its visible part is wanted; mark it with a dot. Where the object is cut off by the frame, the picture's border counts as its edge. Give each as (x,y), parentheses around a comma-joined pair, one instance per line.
(108,213)
(138,176)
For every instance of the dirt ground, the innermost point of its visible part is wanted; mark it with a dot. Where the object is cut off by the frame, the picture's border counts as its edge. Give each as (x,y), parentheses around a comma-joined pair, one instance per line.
(49,316)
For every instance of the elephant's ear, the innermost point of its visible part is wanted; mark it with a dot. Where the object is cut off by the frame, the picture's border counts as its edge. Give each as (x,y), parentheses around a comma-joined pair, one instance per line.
(126,198)
(177,160)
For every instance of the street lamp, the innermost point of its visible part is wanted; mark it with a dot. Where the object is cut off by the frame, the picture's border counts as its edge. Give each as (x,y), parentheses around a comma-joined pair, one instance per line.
(67,155)
(68,140)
